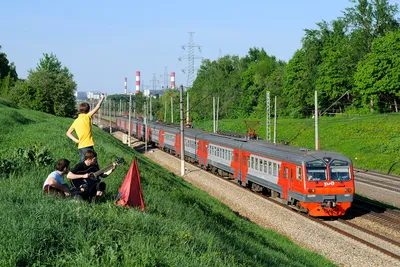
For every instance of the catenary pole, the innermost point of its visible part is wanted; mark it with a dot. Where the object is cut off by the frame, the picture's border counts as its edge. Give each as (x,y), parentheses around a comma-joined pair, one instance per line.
(129,120)
(275,118)
(316,121)
(214,113)
(182,131)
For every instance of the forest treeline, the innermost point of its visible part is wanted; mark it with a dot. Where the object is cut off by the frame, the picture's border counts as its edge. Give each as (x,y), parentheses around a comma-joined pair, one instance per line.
(353,62)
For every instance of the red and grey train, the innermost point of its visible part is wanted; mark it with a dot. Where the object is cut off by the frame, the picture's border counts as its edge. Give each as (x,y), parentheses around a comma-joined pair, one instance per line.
(320,183)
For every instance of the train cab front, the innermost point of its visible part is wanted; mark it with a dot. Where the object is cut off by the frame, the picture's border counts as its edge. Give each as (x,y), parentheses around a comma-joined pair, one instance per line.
(329,187)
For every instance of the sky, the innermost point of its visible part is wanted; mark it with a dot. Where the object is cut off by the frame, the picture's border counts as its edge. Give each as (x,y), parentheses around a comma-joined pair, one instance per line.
(102,42)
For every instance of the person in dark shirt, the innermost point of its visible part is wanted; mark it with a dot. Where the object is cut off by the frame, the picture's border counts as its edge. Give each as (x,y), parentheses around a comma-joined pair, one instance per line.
(84,176)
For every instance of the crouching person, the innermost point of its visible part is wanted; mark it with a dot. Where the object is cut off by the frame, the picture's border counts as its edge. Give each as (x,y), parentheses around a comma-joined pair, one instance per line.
(84,176)
(54,183)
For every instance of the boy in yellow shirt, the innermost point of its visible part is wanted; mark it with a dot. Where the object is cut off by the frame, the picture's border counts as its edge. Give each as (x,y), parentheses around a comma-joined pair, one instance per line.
(83,128)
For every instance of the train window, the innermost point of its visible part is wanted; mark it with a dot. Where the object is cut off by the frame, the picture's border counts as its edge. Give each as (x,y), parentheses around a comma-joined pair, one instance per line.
(339,163)
(339,170)
(316,174)
(274,169)
(252,163)
(285,172)
(244,161)
(265,166)
(340,174)
(269,167)
(298,173)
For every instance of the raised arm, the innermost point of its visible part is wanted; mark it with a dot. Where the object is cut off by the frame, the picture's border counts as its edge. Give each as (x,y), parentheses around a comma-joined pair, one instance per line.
(97,107)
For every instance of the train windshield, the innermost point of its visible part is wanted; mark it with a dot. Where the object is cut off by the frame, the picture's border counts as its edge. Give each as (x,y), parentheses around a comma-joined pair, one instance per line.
(316,171)
(340,170)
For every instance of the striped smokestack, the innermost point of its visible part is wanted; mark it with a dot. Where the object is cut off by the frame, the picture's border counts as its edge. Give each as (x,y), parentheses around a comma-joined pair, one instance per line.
(172,79)
(126,85)
(137,82)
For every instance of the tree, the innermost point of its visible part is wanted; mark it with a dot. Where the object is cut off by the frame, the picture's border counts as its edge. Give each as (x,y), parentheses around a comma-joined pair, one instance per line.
(297,95)
(377,78)
(335,73)
(50,88)
(369,20)
(8,74)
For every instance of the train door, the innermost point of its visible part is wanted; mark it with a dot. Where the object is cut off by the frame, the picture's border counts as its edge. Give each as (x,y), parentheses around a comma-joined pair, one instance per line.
(296,182)
(235,164)
(244,167)
(284,179)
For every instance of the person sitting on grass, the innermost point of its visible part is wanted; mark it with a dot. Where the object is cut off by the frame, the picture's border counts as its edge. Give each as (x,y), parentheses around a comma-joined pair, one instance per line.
(81,178)
(54,182)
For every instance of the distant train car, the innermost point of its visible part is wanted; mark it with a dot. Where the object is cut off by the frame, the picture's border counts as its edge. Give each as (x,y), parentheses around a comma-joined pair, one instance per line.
(320,183)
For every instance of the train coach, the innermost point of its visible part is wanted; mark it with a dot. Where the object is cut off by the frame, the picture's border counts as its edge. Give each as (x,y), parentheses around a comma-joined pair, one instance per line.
(320,183)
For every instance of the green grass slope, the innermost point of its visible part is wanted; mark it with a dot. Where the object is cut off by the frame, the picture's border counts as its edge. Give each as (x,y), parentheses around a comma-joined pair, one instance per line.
(371,141)
(182,226)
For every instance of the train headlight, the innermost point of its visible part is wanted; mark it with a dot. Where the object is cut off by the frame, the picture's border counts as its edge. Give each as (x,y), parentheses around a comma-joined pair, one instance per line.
(311,190)
(348,190)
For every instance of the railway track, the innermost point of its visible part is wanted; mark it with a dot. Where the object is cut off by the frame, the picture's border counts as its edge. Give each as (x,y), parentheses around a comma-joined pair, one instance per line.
(368,173)
(363,235)
(378,184)
(367,237)
(384,181)
(360,234)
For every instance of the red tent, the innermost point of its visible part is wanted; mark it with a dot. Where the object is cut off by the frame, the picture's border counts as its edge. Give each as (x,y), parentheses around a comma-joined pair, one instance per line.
(130,193)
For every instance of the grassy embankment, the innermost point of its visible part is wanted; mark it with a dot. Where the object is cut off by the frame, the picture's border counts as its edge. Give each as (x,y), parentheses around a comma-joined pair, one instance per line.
(182,226)
(371,141)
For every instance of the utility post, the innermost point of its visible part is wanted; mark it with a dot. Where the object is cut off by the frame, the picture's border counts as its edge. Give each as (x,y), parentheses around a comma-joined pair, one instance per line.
(275,117)
(129,120)
(151,111)
(145,127)
(134,108)
(115,111)
(165,112)
(120,107)
(216,127)
(268,118)
(316,121)
(182,131)
(172,110)
(109,115)
(214,113)
(187,108)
